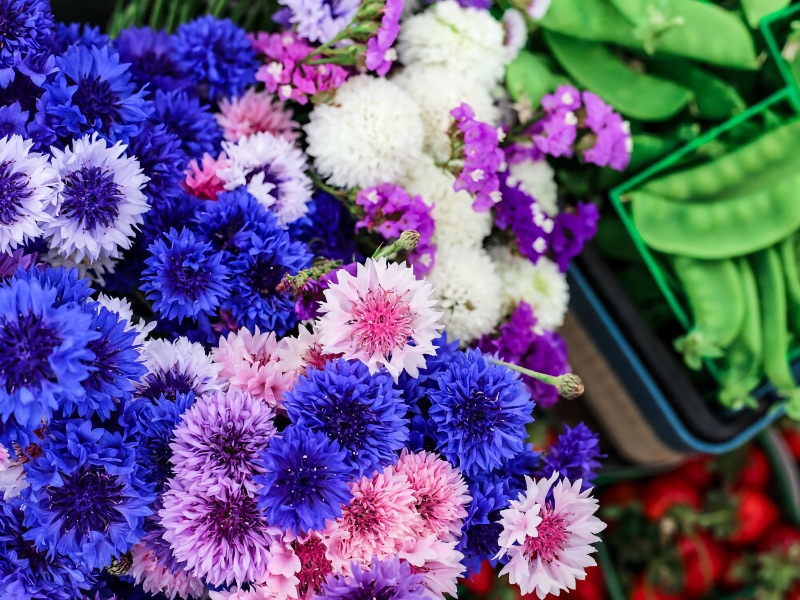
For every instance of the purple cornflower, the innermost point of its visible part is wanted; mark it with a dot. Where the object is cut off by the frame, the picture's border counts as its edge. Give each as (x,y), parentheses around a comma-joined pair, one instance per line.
(573,228)
(312,293)
(389,210)
(13,120)
(152,59)
(482,158)
(320,20)
(574,455)
(380,54)
(9,263)
(531,226)
(390,579)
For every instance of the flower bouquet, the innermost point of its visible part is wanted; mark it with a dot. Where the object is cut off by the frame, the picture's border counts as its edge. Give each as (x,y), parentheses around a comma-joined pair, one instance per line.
(277,308)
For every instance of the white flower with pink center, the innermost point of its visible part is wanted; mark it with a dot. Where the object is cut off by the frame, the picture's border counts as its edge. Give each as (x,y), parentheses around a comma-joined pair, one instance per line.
(250,362)
(156,579)
(438,561)
(549,541)
(382,316)
(303,351)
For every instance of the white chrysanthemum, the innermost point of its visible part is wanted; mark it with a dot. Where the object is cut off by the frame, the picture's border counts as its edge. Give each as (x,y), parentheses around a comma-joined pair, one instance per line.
(274,171)
(467,41)
(177,366)
(438,90)
(12,475)
(516,33)
(469,291)
(537,179)
(156,579)
(456,223)
(100,203)
(549,543)
(382,316)
(28,185)
(438,562)
(370,133)
(122,307)
(542,285)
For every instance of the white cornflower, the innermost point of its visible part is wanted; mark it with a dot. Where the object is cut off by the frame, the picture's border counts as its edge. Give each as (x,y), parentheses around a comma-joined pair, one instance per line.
(174,367)
(469,291)
(467,41)
(370,133)
(437,90)
(28,184)
(100,202)
(122,307)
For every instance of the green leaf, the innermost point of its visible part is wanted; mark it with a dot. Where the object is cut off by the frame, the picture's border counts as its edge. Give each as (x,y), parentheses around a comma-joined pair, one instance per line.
(530,75)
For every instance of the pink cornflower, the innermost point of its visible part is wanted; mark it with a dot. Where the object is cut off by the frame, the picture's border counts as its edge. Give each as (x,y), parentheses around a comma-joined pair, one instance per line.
(250,362)
(380,519)
(255,112)
(440,492)
(155,579)
(304,351)
(218,442)
(383,316)
(437,561)
(549,542)
(221,537)
(380,54)
(202,181)
(284,72)
(315,564)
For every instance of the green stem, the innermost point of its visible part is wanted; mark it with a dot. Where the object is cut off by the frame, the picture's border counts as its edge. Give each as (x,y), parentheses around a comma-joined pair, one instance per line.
(218,7)
(169,24)
(408,240)
(569,385)
(155,14)
(317,180)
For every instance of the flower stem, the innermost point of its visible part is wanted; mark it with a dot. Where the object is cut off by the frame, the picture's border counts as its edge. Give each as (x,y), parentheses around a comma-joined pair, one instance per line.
(408,240)
(569,385)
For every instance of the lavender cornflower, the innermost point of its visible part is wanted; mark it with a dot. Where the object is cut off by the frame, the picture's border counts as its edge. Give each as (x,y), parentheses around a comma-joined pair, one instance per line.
(574,455)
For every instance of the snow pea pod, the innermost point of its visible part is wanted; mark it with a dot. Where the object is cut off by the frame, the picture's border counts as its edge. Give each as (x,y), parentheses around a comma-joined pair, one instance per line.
(632,93)
(715,295)
(593,20)
(772,155)
(529,74)
(772,290)
(755,10)
(714,230)
(788,254)
(744,358)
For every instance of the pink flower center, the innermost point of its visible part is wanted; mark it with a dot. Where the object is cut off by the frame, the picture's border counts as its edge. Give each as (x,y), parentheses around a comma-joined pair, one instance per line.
(315,566)
(382,322)
(315,357)
(551,540)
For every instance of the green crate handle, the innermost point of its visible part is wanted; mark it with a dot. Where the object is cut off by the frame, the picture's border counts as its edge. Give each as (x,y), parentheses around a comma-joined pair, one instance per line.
(766,26)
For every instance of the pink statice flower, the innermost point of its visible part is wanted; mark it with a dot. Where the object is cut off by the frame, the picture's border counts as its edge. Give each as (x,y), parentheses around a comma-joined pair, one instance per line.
(440,492)
(304,352)
(548,534)
(217,443)
(284,72)
(383,316)
(380,519)
(482,158)
(389,210)
(201,179)
(255,112)
(221,537)
(250,363)
(379,52)
(438,562)
(158,579)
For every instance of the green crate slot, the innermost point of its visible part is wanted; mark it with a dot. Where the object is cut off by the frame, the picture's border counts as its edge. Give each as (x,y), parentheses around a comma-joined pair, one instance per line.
(768,26)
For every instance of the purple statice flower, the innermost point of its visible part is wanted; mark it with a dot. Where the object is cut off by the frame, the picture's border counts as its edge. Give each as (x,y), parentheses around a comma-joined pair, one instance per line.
(284,72)
(482,159)
(558,135)
(566,97)
(597,111)
(380,54)
(388,579)
(531,226)
(573,228)
(10,263)
(13,120)
(613,145)
(25,30)
(574,455)
(152,59)
(320,20)
(390,211)
(66,35)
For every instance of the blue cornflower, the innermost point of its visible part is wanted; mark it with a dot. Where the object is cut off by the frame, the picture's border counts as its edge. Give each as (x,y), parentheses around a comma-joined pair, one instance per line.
(67,284)
(152,58)
(113,369)
(84,499)
(184,277)
(25,28)
(155,421)
(171,213)
(415,388)
(513,472)
(481,531)
(231,223)
(219,56)
(388,579)
(13,120)
(72,34)
(193,123)
(44,350)
(359,410)
(92,92)
(327,228)
(161,158)
(305,481)
(27,572)
(574,455)
(480,410)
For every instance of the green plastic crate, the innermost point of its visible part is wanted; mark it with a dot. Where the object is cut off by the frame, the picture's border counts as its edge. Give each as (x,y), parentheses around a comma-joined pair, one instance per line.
(774,27)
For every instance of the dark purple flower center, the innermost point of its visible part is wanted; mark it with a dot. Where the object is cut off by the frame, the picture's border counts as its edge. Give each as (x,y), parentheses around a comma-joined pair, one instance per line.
(269,177)
(235,520)
(87,501)
(475,416)
(482,539)
(227,235)
(13,25)
(26,345)
(91,197)
(97,101)
(13,190)
(166,383)
(315,565)
(264,276)
(154,64)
